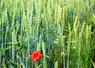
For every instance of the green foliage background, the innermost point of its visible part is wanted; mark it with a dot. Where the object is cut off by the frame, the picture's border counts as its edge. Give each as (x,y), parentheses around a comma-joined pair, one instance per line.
(60,29)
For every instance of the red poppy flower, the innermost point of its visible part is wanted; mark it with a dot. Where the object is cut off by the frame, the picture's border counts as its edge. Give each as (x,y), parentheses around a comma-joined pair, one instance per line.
(36,55)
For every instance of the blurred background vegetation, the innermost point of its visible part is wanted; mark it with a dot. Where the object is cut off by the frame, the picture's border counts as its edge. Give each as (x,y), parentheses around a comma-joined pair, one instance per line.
(60,29)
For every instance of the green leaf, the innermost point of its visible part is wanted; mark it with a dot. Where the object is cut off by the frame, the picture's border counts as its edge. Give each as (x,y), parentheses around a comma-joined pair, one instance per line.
(93,64)
(2,50)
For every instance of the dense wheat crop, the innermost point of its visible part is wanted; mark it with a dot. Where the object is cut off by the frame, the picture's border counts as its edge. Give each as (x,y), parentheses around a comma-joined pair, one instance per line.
(62,30)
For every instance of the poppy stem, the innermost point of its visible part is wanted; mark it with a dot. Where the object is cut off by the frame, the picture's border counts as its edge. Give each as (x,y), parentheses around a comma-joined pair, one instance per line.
(36,64)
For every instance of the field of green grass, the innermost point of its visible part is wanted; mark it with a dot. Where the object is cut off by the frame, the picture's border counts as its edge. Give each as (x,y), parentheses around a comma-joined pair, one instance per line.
(62,30)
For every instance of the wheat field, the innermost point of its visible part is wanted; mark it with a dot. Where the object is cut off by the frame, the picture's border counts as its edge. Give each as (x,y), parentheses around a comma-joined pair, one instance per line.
(62,30)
